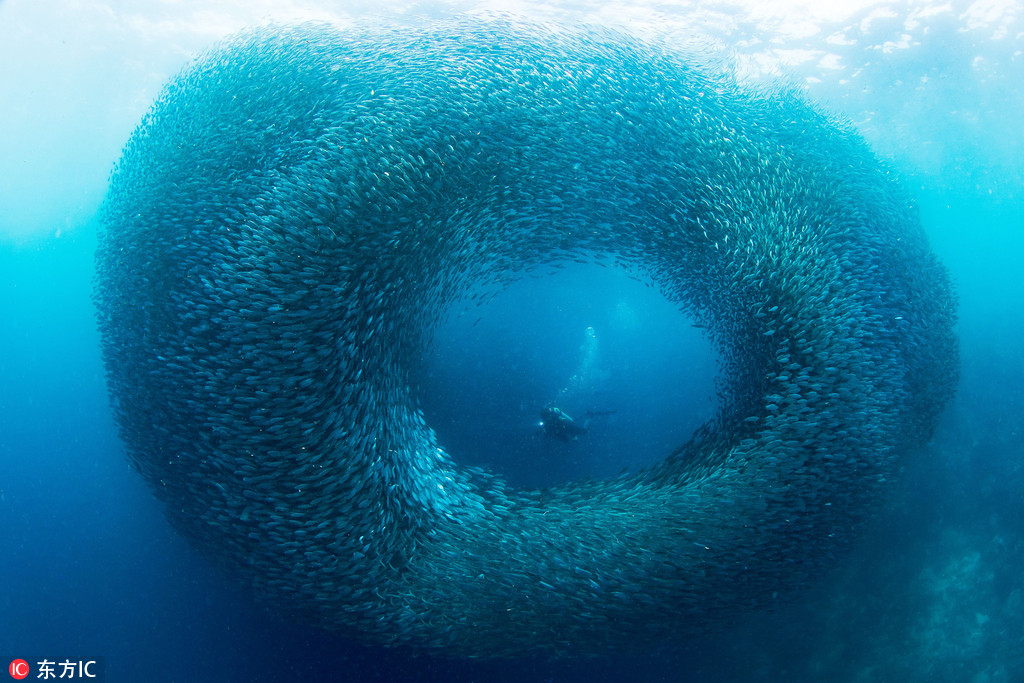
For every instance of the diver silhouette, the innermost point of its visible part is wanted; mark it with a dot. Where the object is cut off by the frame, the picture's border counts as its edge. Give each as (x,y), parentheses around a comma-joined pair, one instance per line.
(555,424)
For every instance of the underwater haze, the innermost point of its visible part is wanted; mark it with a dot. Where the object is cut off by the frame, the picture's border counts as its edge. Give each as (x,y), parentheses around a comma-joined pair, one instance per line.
(931,589)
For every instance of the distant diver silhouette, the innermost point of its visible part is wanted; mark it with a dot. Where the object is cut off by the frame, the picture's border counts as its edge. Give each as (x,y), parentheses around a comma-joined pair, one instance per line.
(554,423)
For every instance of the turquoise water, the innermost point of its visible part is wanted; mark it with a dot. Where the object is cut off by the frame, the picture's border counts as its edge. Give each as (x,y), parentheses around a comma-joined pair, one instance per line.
(931,593)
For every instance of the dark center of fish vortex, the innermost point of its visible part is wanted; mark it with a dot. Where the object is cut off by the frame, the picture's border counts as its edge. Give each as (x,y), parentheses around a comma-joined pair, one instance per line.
(634,377)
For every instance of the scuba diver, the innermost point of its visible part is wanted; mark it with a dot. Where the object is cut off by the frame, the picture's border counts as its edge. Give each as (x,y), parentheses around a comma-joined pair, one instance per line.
(557,425)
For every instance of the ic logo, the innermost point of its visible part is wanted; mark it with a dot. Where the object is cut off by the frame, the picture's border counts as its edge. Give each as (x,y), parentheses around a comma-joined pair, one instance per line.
(19,669)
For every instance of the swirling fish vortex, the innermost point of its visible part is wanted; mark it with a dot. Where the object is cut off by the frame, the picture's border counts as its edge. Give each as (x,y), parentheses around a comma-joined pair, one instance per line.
(302,206)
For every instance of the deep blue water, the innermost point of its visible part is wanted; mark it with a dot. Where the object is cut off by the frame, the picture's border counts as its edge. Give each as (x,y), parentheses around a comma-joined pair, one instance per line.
(933,591)
(583,338)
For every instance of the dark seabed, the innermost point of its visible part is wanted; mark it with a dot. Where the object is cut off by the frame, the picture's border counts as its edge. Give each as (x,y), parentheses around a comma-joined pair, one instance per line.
(932,590)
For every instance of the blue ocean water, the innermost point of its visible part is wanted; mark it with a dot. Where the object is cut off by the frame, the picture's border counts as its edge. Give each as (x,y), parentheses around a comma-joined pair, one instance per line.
(932,592)
(585,339)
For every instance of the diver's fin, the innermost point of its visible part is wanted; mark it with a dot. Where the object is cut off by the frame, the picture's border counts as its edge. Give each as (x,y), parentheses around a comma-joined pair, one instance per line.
(595,413)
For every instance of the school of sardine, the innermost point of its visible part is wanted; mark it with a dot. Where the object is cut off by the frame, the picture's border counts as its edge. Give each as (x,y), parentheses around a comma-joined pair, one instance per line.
(302,205)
